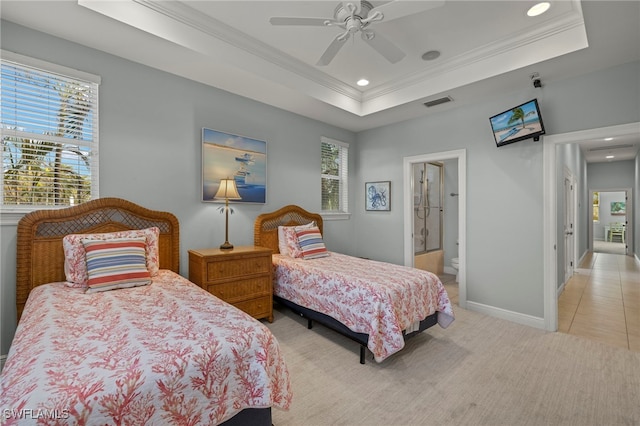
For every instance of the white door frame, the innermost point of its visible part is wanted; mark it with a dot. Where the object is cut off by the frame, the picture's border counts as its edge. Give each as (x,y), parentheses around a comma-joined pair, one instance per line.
(569,215)
(628,239)
(550,207)
(461,156)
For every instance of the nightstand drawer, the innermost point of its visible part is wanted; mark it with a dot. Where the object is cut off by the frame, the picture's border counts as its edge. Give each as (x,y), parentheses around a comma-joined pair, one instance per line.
(256,307)
(241,289)
(238,267)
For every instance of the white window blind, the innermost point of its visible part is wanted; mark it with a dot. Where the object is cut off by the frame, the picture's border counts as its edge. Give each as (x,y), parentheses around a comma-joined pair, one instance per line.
(334,176)
(49,129)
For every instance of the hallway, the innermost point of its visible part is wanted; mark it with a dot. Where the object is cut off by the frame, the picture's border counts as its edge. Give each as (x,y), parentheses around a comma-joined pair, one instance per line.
(602,301)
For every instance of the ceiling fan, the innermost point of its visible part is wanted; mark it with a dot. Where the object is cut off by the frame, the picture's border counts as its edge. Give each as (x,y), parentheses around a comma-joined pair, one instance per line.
(358,16)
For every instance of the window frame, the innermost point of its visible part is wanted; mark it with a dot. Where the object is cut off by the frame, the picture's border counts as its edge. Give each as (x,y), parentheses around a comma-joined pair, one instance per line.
(343,177)
(11,213)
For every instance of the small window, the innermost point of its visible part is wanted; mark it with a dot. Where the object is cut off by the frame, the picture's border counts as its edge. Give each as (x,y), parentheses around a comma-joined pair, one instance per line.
(334,176)
(49,131)
(596,206)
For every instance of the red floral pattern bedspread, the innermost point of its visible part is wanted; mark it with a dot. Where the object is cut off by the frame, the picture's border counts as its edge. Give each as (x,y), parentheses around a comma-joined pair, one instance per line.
(376,298)
(166,353)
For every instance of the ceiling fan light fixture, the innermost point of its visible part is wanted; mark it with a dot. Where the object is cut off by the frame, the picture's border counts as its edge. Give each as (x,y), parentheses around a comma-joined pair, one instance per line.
(538,9)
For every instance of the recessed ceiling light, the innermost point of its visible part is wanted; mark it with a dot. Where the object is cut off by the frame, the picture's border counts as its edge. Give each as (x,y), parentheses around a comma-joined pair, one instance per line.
(608,139)
(610,156)
(430,55)
(539,9)
(363,82)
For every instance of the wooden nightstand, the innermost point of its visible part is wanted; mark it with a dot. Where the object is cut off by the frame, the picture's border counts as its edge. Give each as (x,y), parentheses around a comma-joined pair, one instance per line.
(240,276)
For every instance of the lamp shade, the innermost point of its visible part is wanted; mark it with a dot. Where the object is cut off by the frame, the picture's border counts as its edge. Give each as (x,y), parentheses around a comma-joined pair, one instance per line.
(227,190)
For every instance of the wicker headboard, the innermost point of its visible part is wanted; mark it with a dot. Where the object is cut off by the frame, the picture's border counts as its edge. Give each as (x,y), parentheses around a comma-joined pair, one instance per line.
(265,229)
(40,257)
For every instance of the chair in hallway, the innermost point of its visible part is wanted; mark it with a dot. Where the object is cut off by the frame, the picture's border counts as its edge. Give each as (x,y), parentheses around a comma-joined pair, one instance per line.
(616,230)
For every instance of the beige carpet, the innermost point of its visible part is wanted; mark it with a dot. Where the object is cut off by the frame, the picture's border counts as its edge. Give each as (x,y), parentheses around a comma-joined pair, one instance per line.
(479,371)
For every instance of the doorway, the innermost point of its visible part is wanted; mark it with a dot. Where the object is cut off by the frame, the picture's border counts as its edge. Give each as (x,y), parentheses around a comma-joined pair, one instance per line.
(408,203)
(550,213)
(610,210)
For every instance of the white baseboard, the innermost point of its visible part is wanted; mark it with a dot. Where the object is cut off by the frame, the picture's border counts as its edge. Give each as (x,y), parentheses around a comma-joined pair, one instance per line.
(516,317)
(560,289)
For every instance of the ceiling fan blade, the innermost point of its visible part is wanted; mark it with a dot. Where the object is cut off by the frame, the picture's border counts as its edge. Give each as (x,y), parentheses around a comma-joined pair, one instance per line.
(383,46)
(316,22)
(401,8)
(332,50)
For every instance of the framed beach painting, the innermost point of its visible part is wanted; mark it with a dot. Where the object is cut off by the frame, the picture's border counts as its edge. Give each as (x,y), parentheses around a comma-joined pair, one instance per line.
(229,156)
(618,208)
(377,196)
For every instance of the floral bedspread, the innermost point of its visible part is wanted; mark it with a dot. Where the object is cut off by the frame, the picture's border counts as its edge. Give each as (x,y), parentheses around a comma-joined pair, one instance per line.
(166,353)
(376,298)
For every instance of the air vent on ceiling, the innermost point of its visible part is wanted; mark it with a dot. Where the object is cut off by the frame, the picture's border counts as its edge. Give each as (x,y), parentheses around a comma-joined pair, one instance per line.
(610,147)
(439,101)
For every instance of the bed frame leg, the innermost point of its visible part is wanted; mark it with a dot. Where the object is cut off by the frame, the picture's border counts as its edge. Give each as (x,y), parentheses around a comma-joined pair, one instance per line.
(309,324)
(362,354)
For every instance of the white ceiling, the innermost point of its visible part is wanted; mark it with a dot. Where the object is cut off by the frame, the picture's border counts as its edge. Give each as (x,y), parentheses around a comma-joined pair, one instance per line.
(484,46)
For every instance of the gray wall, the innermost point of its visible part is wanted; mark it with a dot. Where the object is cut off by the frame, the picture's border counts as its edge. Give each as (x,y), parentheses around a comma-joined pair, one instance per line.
(504,185)
(569,157)
(150,153)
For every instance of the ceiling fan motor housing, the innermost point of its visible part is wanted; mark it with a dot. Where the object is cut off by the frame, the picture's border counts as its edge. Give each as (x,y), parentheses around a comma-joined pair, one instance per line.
(344,10)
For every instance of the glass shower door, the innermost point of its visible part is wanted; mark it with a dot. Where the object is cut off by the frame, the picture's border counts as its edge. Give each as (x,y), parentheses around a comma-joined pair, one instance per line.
(427,208)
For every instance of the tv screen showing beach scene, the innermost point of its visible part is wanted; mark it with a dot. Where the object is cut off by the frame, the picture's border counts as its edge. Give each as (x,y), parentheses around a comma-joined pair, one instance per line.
(516,124)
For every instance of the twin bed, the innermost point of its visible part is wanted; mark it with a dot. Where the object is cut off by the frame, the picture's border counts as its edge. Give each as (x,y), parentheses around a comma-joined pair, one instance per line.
(156,348)
(166,352)
(377,304)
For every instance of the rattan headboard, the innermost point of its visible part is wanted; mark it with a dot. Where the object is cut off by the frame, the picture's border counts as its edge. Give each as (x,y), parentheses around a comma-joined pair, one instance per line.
(265,229)
(40,257)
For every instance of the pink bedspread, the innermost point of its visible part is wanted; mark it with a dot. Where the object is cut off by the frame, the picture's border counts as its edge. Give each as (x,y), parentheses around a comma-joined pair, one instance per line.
(376,298)
(166,353)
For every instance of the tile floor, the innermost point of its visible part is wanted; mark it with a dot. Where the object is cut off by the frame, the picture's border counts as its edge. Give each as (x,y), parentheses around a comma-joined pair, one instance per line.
(602,301)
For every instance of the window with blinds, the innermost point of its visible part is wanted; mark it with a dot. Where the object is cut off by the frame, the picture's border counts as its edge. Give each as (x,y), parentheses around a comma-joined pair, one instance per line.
(334,176)
(49,129)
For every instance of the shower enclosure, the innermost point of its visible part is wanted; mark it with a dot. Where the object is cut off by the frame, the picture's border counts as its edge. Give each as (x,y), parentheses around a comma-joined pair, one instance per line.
(427,207)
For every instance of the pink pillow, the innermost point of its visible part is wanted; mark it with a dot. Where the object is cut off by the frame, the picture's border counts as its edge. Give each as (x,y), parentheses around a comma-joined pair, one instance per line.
(291,242)
(75,265)
(286,242)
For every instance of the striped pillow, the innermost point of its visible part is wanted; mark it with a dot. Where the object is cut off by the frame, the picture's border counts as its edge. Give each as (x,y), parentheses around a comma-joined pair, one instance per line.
(116,263)
(311,243)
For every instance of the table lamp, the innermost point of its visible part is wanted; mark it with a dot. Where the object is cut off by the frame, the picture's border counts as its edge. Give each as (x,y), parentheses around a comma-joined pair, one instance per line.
(227,191)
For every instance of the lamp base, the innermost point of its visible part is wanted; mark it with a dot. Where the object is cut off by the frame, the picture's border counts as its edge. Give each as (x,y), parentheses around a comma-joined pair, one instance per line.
(226,246)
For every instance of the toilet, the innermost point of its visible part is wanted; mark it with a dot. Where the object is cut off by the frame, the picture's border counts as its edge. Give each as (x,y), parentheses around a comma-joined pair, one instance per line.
(455,265)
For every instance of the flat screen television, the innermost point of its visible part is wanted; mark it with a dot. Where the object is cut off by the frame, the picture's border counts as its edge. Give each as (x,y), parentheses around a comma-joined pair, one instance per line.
(518,123)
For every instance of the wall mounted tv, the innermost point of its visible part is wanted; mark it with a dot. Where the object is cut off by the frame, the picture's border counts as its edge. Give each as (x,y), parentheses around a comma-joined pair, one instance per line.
(518,123)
